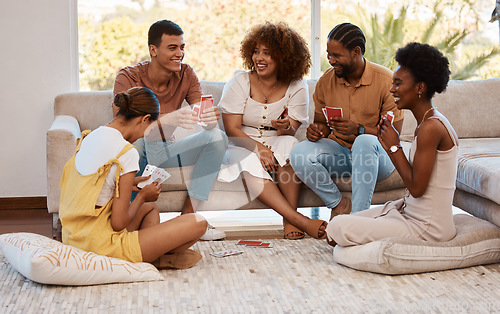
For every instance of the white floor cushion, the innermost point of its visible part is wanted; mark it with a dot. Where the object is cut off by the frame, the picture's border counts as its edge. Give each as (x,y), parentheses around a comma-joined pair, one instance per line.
(477,242)
(48,261)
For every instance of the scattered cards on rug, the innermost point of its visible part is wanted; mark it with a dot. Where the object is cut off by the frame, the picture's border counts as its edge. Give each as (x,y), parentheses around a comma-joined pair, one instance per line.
(158,175)
(226,253)
(253,243)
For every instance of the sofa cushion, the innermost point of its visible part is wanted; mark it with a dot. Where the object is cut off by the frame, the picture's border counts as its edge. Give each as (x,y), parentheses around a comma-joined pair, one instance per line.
(468,105)
(479,167)
(477,242)
(48,261)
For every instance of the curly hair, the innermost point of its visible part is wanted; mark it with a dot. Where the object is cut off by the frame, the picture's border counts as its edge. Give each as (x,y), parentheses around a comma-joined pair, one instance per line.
(287,48)
(426,64)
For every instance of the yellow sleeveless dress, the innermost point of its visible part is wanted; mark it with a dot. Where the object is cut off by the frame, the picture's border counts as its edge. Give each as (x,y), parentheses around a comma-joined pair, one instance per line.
(89,228)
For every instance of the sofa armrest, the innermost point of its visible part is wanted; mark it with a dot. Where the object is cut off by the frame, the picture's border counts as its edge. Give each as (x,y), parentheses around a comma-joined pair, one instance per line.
(61,144)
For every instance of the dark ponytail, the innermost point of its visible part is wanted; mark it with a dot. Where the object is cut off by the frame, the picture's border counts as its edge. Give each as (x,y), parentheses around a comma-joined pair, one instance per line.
(137,102)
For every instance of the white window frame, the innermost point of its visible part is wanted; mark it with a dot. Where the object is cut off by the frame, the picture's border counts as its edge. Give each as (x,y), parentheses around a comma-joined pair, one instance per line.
(316,39)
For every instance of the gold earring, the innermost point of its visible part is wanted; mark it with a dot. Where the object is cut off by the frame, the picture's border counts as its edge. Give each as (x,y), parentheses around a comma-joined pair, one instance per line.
(420,95)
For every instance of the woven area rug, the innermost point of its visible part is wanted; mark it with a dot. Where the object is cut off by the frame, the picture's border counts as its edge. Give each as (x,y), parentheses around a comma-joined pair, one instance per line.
(292,277)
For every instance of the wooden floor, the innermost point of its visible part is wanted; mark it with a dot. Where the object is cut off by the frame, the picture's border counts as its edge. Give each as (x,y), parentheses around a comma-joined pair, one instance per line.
(26,220)
(238,224)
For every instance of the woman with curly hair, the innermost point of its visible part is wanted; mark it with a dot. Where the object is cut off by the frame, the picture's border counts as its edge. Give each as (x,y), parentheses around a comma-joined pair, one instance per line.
(261,110)
(425,212)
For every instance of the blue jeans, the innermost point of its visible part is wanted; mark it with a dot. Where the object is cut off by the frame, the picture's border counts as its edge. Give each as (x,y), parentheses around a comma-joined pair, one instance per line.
(315,163)
(204,149)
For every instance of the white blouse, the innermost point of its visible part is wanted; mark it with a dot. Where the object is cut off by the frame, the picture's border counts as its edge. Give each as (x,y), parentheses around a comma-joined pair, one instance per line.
(236,100)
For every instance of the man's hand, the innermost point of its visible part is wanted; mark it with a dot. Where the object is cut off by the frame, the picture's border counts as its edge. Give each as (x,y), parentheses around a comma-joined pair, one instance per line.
(343,126)
(210,117)
(314,132)
(184,118)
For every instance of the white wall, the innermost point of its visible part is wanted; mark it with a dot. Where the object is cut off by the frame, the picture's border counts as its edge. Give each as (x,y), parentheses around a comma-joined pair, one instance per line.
(36,64)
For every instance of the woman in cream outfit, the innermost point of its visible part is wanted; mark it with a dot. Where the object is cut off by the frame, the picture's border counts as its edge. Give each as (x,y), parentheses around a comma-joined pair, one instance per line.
(261,110)
(425,212)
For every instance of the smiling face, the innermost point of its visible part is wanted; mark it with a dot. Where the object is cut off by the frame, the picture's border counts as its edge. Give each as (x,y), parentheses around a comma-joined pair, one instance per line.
(340,58)
(404,88)
(264,64)
(170,53)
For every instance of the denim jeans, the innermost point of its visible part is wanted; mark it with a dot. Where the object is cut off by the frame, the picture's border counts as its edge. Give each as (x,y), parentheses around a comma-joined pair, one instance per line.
(204,149)
(315,163)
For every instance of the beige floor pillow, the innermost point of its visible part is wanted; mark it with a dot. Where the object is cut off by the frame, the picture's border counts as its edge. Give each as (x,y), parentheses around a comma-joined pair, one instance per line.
(47,261)
(477,242)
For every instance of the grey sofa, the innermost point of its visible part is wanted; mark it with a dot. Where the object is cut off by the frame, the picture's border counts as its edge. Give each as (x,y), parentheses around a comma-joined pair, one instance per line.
(469,105)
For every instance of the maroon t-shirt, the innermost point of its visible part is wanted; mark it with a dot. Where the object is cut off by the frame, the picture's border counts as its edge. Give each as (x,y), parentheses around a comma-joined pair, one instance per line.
(183,85)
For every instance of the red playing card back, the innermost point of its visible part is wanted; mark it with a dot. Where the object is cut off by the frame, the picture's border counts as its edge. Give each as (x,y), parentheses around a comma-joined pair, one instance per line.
(333,112)
(248,242)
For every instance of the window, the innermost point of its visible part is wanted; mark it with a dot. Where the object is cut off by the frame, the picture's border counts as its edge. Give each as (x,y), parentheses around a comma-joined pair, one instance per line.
(113,33)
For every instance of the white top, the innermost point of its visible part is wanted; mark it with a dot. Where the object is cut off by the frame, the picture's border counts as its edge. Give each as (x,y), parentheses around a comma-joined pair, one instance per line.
(236,100)
(431,214)
(99,147)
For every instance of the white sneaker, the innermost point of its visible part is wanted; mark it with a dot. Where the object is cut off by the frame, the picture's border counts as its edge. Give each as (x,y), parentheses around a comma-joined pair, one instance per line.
(213,234)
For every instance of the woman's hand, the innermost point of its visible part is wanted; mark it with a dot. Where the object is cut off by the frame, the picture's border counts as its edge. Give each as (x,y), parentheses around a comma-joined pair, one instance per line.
(266,157)
(150,192)
(138,180)
(387,134)
(281,124)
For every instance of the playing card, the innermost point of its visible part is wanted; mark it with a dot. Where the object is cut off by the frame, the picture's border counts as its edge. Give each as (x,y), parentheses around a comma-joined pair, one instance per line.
(226,253)
(263,244)
(207,101)
(158,175)
(330,112)
(389,116)
(282,115)
(333,112)
(248,242)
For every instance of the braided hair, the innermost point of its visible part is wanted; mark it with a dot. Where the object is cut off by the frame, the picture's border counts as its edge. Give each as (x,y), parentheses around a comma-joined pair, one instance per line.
(349,35)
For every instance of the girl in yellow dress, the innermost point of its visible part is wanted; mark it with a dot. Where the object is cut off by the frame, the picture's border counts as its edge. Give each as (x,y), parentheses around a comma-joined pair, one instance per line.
(97,182)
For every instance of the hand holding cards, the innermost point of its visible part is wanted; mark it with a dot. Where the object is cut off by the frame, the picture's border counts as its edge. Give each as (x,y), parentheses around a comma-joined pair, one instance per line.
(389,116)
(331,112)
(207,101)
(158,175)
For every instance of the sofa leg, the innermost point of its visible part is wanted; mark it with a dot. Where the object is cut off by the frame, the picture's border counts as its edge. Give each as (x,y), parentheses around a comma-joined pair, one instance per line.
(55,225)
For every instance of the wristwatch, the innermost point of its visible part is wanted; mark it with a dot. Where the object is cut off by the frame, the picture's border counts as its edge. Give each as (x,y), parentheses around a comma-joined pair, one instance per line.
(394,148)
(361,129)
